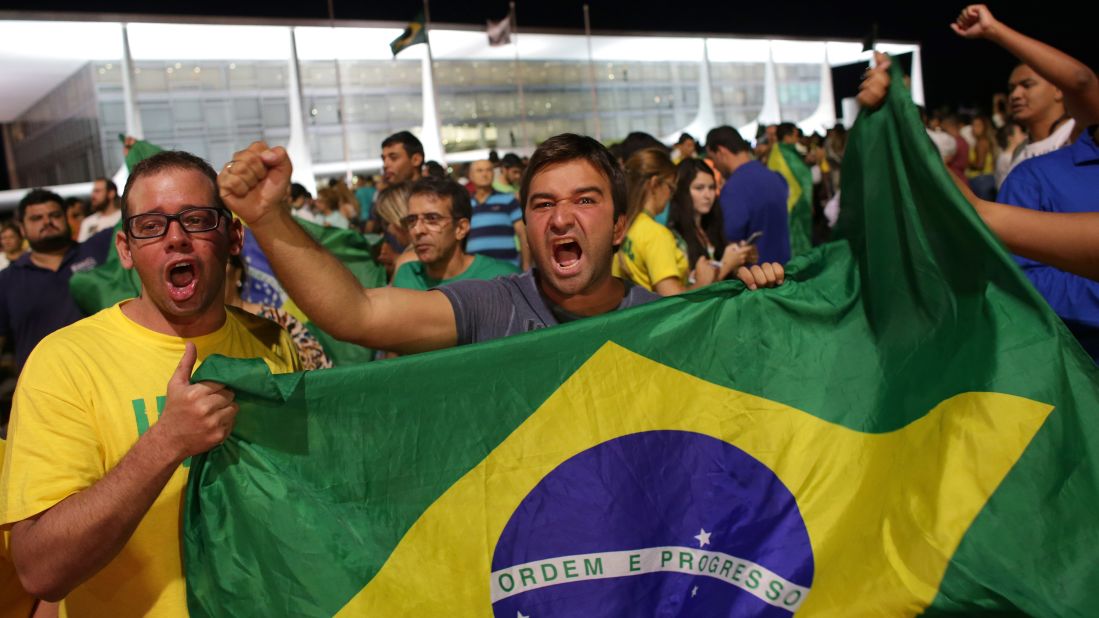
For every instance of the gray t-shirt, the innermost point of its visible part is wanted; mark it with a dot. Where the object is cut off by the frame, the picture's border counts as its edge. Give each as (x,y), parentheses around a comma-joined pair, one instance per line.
(506,306)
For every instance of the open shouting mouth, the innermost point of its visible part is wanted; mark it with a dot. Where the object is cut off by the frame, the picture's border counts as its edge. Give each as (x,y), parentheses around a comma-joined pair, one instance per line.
(566,255)
(182,280)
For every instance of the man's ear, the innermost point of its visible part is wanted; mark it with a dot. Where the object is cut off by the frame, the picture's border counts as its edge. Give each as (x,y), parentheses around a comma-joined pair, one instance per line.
(619,230)
(236,237)
(461,228)
(417,160)
(122,245)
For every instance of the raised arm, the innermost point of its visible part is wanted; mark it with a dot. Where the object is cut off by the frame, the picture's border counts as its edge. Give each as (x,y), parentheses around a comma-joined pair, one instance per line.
(255,185)
(1075,80)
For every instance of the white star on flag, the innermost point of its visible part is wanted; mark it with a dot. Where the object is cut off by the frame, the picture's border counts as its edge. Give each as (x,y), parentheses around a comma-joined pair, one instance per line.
(703,537)
(694,591)
(520,615)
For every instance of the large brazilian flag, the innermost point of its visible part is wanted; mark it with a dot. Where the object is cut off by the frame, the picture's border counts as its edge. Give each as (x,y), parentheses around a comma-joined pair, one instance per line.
(785,160)
(902,427)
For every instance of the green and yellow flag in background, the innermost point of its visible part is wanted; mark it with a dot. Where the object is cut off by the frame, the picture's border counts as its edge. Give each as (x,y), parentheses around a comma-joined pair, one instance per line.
(414,34)
(785,160)
(903,427)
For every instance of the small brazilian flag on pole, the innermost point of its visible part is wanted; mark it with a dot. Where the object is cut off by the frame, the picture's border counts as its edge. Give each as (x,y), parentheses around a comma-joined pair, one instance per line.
(414,34)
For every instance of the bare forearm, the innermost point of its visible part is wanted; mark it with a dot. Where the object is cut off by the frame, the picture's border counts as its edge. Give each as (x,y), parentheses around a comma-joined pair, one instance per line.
(1063,240)
(76,538)
(318,282)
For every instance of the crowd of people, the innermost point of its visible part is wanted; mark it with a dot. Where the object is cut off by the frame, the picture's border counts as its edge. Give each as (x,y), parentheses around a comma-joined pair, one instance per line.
(93,481)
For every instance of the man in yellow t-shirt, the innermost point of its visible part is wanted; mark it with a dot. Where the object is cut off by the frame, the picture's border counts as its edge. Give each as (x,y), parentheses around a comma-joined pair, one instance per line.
(105,418)
(16,602)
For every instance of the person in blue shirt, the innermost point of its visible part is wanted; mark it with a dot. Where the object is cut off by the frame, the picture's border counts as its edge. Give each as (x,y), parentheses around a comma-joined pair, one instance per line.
(496,229)
(753,198)
(34,289)
(1064,181)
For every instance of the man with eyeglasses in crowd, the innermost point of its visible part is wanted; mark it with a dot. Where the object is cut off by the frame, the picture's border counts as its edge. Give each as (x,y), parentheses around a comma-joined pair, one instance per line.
(105,418)
(574,202)
(438,221)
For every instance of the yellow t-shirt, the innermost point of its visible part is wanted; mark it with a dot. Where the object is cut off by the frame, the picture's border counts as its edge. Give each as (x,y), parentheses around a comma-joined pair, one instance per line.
(14,601)
(86,394)
(649,254)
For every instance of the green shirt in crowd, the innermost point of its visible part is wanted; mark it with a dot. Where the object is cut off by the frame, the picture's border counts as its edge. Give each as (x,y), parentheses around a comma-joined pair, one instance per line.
(412,276)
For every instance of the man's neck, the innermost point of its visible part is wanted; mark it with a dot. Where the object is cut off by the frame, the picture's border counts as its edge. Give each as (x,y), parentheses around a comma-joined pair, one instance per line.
(449,268)
(738,159)
(604,297)
(1042,127)
(145,313)
(482,193)
(50,260)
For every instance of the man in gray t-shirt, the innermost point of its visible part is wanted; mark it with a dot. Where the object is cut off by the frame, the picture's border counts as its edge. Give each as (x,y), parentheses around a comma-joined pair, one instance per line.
(573,195)
(511,305)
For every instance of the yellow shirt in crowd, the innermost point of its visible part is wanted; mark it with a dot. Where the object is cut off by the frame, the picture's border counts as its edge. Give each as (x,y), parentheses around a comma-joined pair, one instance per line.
(649,254)
(85,395)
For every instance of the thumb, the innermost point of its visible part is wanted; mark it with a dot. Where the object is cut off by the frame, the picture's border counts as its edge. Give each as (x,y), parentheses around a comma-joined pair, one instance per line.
(182,375)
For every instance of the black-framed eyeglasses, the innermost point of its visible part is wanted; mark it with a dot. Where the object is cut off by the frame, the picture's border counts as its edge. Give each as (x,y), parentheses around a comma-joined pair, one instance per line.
(192,220)
(432,220)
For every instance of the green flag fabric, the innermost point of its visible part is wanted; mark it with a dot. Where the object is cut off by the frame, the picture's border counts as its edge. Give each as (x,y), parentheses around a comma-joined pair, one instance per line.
(414,34)
(105,284)
(902,427)
(785,160)
(139,151)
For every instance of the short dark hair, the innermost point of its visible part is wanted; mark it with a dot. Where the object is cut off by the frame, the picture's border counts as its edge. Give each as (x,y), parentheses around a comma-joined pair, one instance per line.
(570,147)
(35,197)
(10,225)
(784,129)
(639,140)
(298,190)
(728,137)
(76,201)
(683,137)
(461,205)
(511,160)
(411,143)
(111,186)
(166,160)
(435,169)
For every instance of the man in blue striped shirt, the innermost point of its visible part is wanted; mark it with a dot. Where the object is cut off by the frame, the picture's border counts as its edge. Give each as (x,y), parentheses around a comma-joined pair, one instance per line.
(496,229)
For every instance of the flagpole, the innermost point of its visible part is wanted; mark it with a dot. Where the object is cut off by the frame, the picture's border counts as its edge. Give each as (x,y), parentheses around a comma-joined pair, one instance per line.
(591,75)
(298,146)
(129,92)
(339,104)
(435,123)
(518,74)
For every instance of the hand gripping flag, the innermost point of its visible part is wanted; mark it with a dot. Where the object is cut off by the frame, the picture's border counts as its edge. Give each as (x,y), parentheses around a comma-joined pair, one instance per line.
(903,427)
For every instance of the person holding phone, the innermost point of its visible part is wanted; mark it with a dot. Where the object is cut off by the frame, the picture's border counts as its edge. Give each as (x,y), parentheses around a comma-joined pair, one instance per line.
(698,225)
(650,256)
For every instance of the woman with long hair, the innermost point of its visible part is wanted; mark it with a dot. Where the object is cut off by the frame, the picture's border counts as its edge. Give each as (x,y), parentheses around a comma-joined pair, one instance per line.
(650,256)
(982,159)
(694,216)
